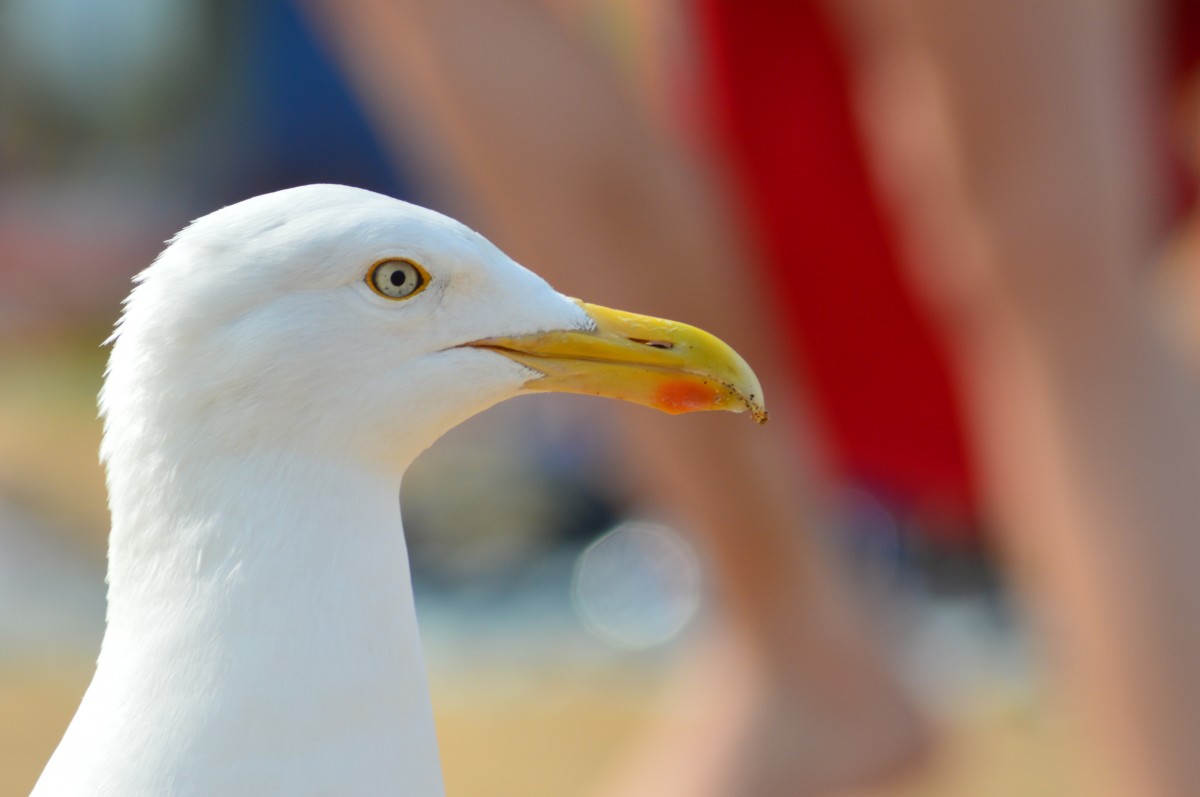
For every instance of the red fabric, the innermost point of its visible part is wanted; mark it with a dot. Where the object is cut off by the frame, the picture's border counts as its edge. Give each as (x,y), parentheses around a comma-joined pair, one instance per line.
(1183,34)
(778,88)
(1184,31)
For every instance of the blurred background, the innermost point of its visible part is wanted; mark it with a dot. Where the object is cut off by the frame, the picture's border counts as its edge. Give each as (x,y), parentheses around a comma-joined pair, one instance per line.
(851,177)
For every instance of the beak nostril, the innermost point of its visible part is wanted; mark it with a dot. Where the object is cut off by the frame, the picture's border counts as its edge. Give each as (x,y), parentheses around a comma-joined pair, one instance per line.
(654,344)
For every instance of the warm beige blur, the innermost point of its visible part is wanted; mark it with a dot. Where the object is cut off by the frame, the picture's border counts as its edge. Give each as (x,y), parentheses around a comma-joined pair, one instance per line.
(554,732)
(1036,220)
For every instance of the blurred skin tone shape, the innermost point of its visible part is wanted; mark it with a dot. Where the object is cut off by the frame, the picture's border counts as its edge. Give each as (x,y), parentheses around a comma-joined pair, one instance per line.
(789,695)
(1019,145)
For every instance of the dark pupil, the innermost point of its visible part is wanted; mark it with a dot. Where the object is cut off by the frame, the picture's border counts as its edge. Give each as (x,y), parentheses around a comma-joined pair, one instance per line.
(398,277)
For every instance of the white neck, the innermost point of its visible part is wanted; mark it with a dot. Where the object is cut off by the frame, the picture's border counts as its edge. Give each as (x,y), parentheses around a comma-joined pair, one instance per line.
(261,638)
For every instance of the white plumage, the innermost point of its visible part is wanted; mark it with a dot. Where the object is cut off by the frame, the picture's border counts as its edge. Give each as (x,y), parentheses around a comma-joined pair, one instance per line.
(261,405)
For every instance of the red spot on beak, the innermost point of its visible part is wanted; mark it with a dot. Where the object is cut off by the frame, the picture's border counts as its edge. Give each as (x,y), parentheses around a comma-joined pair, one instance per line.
(685,395)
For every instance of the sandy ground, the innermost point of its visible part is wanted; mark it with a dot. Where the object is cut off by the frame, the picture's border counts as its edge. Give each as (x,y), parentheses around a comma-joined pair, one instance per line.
(500,735)
(554,733)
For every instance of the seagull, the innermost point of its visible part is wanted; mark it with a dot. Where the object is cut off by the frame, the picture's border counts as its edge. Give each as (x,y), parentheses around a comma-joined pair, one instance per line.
(273,373)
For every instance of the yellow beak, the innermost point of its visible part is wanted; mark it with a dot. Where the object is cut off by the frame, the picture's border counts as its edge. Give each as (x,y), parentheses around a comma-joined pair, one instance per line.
(666,365)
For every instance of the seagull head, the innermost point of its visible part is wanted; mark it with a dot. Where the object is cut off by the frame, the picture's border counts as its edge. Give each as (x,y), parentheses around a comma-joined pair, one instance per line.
(273,373)
(339,322)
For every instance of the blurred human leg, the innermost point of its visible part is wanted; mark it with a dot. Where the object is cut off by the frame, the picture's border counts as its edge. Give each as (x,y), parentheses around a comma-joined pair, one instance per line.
(577,183)
(1018,142)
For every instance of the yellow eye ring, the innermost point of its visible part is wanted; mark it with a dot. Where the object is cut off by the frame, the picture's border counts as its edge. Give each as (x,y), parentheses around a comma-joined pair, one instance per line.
(397,278)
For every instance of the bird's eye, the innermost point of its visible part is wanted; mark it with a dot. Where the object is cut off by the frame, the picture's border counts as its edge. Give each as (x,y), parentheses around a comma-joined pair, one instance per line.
(397,279)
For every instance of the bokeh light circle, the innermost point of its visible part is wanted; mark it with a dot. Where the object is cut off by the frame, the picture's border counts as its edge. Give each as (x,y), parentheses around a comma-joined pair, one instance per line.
(637,586)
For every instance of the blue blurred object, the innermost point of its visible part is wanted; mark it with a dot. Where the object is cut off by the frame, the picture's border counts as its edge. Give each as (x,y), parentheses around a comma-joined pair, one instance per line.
(202,102)
(304,124)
